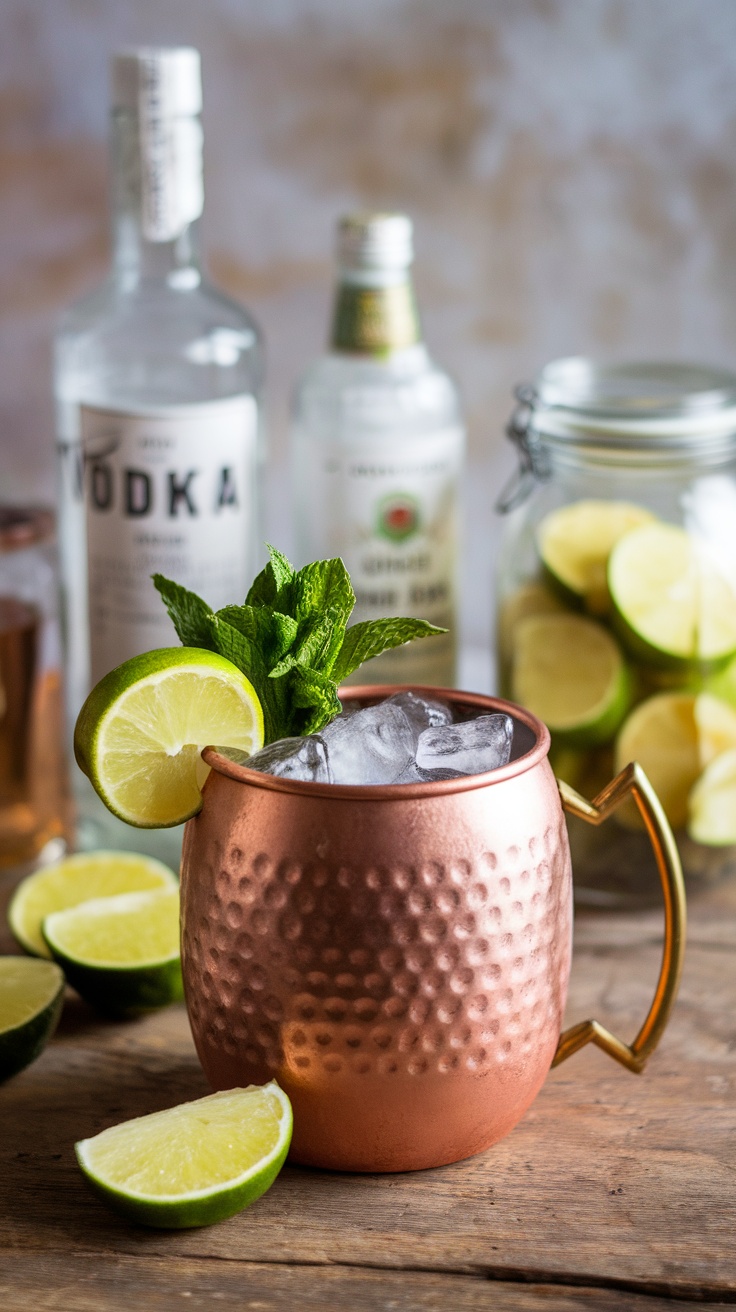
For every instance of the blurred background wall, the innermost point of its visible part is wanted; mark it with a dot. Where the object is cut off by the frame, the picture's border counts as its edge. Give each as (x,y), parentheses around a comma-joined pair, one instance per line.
(570,165)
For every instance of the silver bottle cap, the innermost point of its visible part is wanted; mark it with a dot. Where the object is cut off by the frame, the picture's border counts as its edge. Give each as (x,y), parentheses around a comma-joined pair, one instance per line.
(375,242)
(158,81)
(161,89)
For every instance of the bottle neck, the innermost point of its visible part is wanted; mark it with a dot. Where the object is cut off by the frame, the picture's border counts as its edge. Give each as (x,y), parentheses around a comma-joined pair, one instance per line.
(156,198)
(374,314)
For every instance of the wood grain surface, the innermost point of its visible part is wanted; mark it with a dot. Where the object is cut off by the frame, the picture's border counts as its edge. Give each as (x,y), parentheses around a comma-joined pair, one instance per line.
(615,1192)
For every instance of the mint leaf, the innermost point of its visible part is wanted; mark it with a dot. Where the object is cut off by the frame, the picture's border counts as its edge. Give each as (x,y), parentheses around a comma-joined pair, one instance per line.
(246,655)
(263,589)
(191,617)
(274,580)
(316,696)
(371,637)
(283,570)
(236,647)
(269,629)
(323,600)
(319,640)
(319,585)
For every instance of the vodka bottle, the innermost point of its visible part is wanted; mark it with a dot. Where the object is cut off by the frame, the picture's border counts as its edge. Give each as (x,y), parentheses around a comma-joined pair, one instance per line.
(377,453)
(157,378)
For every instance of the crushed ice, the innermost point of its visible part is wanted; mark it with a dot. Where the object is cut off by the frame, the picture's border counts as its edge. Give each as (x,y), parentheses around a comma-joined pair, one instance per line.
(405,739)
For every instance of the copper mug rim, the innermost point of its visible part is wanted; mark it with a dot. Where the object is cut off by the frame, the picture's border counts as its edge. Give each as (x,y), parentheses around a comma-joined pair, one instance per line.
(372,693)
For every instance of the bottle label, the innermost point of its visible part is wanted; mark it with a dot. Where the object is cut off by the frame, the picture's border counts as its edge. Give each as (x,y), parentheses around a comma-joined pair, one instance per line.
(388,506)
(171,490)
(374,320)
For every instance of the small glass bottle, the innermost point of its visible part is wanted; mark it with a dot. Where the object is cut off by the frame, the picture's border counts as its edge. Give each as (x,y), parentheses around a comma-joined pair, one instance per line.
(157,381)
(34,802)
(377,453)
(620,547)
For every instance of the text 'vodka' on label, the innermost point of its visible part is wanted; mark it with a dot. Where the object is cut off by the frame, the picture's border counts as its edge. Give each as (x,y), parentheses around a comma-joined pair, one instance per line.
(170,491)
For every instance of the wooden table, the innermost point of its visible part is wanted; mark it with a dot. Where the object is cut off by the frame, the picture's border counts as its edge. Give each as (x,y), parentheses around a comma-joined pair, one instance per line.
(615,1191)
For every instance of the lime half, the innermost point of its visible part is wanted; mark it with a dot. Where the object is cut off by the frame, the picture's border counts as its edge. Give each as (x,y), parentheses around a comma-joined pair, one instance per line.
(141,730)
(716,723)
(77,879)
(528,600)
(575,542)
(121,953)
(194,1164)
(712,804)
(674,608)
(662,735)
(31,998)
(569,671)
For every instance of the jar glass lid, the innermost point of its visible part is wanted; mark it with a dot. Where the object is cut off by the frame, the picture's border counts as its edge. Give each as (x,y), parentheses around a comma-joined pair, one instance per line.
(631,404)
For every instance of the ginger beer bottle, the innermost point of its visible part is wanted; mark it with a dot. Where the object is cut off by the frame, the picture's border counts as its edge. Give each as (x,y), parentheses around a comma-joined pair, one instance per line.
(377,452)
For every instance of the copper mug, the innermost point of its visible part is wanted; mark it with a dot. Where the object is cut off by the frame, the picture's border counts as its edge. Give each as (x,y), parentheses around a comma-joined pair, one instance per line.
(397,957)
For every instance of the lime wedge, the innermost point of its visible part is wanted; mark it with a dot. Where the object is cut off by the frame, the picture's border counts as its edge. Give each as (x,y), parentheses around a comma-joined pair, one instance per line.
(662,735)
(31,998)
(712,806)
(77,879)
(575,542)
(569,671)
(121,953)
(141,730)
(193,1164)
(673,606)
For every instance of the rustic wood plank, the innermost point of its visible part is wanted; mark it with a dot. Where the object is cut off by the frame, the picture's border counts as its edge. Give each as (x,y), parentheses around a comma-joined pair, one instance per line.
(609,1180)
(87,1284)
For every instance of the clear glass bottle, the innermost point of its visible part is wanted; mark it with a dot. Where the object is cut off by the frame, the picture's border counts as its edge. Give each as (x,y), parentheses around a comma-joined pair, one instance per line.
(625,472)
(157,382)
(377,453)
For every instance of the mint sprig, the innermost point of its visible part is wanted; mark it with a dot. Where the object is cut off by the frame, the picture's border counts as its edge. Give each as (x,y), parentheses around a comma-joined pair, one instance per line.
(290,638)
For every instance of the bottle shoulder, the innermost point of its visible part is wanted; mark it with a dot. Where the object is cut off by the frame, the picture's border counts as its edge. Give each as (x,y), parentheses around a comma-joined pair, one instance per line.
(154,343)
(114,305)
(341,391)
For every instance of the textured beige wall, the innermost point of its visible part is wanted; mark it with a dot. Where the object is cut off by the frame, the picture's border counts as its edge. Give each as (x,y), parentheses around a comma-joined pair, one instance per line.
(571,166)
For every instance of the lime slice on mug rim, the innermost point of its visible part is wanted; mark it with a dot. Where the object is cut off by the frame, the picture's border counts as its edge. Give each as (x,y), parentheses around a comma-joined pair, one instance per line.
(140,732)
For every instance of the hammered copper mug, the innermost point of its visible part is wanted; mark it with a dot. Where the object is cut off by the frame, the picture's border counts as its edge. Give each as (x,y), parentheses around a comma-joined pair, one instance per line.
(397,957)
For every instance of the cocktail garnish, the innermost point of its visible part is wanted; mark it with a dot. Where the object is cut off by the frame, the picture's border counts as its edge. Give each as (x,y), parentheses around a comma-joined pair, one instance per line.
(290,638)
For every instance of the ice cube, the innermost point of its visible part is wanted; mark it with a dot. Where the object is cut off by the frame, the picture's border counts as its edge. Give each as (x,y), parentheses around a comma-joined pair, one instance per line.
(414,775)
(422,712)
(289,758)
(370,746)
(470,747)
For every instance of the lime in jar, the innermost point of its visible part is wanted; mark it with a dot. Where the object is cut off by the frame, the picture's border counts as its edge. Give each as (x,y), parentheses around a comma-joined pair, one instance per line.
(616,590)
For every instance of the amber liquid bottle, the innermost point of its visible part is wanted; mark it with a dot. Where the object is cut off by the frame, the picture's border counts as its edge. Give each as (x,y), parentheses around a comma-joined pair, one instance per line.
(34,806)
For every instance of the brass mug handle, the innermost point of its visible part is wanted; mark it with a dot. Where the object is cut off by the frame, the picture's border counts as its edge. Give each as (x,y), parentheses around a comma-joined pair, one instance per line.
(632,781)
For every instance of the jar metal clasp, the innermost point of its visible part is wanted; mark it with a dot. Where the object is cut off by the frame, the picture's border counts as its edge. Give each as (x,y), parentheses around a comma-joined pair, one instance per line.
(519,430)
